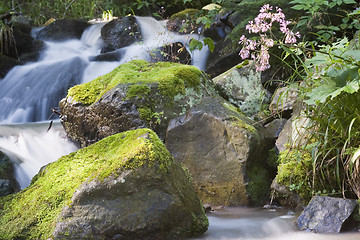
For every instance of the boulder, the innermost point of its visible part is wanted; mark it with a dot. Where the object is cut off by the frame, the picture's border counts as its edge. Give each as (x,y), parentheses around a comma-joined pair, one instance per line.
(326,214)
(6,64)
(241,86)
(120,33)
(134,95)
(223,152)
(283,100)
(8,183)
(63,29)
(126,186)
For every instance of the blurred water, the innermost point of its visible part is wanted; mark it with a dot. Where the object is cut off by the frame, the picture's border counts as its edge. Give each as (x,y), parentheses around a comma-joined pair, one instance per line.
(261,224)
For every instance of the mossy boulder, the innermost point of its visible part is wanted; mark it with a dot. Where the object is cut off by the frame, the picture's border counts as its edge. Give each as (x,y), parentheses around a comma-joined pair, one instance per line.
(126,186)
(241,86)
(224,152)
(134,95)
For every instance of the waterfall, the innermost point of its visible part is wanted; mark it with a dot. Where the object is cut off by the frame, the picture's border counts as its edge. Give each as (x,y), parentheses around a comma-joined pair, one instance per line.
(31,146)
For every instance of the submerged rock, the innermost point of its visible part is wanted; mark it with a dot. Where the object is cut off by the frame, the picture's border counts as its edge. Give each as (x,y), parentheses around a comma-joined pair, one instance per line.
(126,186)
(241,86)
(134,95)
(326,214)
(223,152)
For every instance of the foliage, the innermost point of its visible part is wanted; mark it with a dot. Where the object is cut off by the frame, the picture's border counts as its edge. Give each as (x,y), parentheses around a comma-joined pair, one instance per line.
(42,10)
(332,98)
(328,19)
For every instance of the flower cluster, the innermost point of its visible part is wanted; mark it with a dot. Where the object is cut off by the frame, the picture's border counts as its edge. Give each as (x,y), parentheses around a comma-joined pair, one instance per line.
(261,25)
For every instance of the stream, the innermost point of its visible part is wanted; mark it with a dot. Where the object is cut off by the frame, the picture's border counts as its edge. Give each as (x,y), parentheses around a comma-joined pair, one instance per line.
(28,92)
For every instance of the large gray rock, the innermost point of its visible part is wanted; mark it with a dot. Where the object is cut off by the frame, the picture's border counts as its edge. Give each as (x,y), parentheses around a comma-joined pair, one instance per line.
(241,86)
(146,95)
(326,214)
(224,153)
(126,186)
(284,100)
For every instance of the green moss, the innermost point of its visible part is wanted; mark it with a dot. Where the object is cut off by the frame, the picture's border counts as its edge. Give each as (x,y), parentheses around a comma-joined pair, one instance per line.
(137,91)
(242,64)
(186,14)
(259,184)
(32,213)
(295,172)
(236,120)
(172,78)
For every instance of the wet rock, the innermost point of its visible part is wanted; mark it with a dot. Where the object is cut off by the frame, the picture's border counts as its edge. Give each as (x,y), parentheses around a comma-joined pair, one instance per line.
(120,33)
(63,29)
(326,214)
(223,152)
(6,64)
(126,186)
(8,183)
(141,94)
(241,86)
(113,56)
(173,52)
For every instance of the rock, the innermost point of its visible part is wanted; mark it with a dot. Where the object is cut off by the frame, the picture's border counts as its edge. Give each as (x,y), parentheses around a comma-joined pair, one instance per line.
(223,152)
(294,132)
(241,86)
(126,186)
(113,56)
(284,100)
(285,197)
(63,29)
(8,183)
(120,33)
(275,127)
(5,187)
(180,23)
(134,95)
(326,214)
(6,64)
(173,52)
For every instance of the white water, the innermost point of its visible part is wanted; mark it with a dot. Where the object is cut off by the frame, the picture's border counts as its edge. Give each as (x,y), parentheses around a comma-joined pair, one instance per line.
(31,146)
(261,224)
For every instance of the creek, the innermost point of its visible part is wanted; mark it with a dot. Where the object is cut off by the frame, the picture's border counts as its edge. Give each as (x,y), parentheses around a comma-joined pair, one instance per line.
(29,92)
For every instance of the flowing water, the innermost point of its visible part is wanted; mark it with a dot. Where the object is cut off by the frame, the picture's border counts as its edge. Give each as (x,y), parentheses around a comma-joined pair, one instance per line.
(261,224)
(28,92)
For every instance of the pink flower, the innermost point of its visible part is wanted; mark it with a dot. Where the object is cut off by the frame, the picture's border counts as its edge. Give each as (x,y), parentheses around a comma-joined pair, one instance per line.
(262,24)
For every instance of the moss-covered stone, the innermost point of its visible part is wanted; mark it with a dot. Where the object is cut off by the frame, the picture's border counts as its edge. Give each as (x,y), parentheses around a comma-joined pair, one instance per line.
(34,212)
(172,78)
(133,95)
(295,172)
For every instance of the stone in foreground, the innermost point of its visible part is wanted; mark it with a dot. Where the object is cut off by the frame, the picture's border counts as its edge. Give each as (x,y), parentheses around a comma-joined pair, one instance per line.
(134,95)
(126,186)
(326,214)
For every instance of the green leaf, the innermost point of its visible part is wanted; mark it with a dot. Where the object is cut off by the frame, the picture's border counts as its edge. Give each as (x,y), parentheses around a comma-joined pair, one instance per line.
(210,43)
(349,1)
(298,7)
(195,44)
(338,81)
